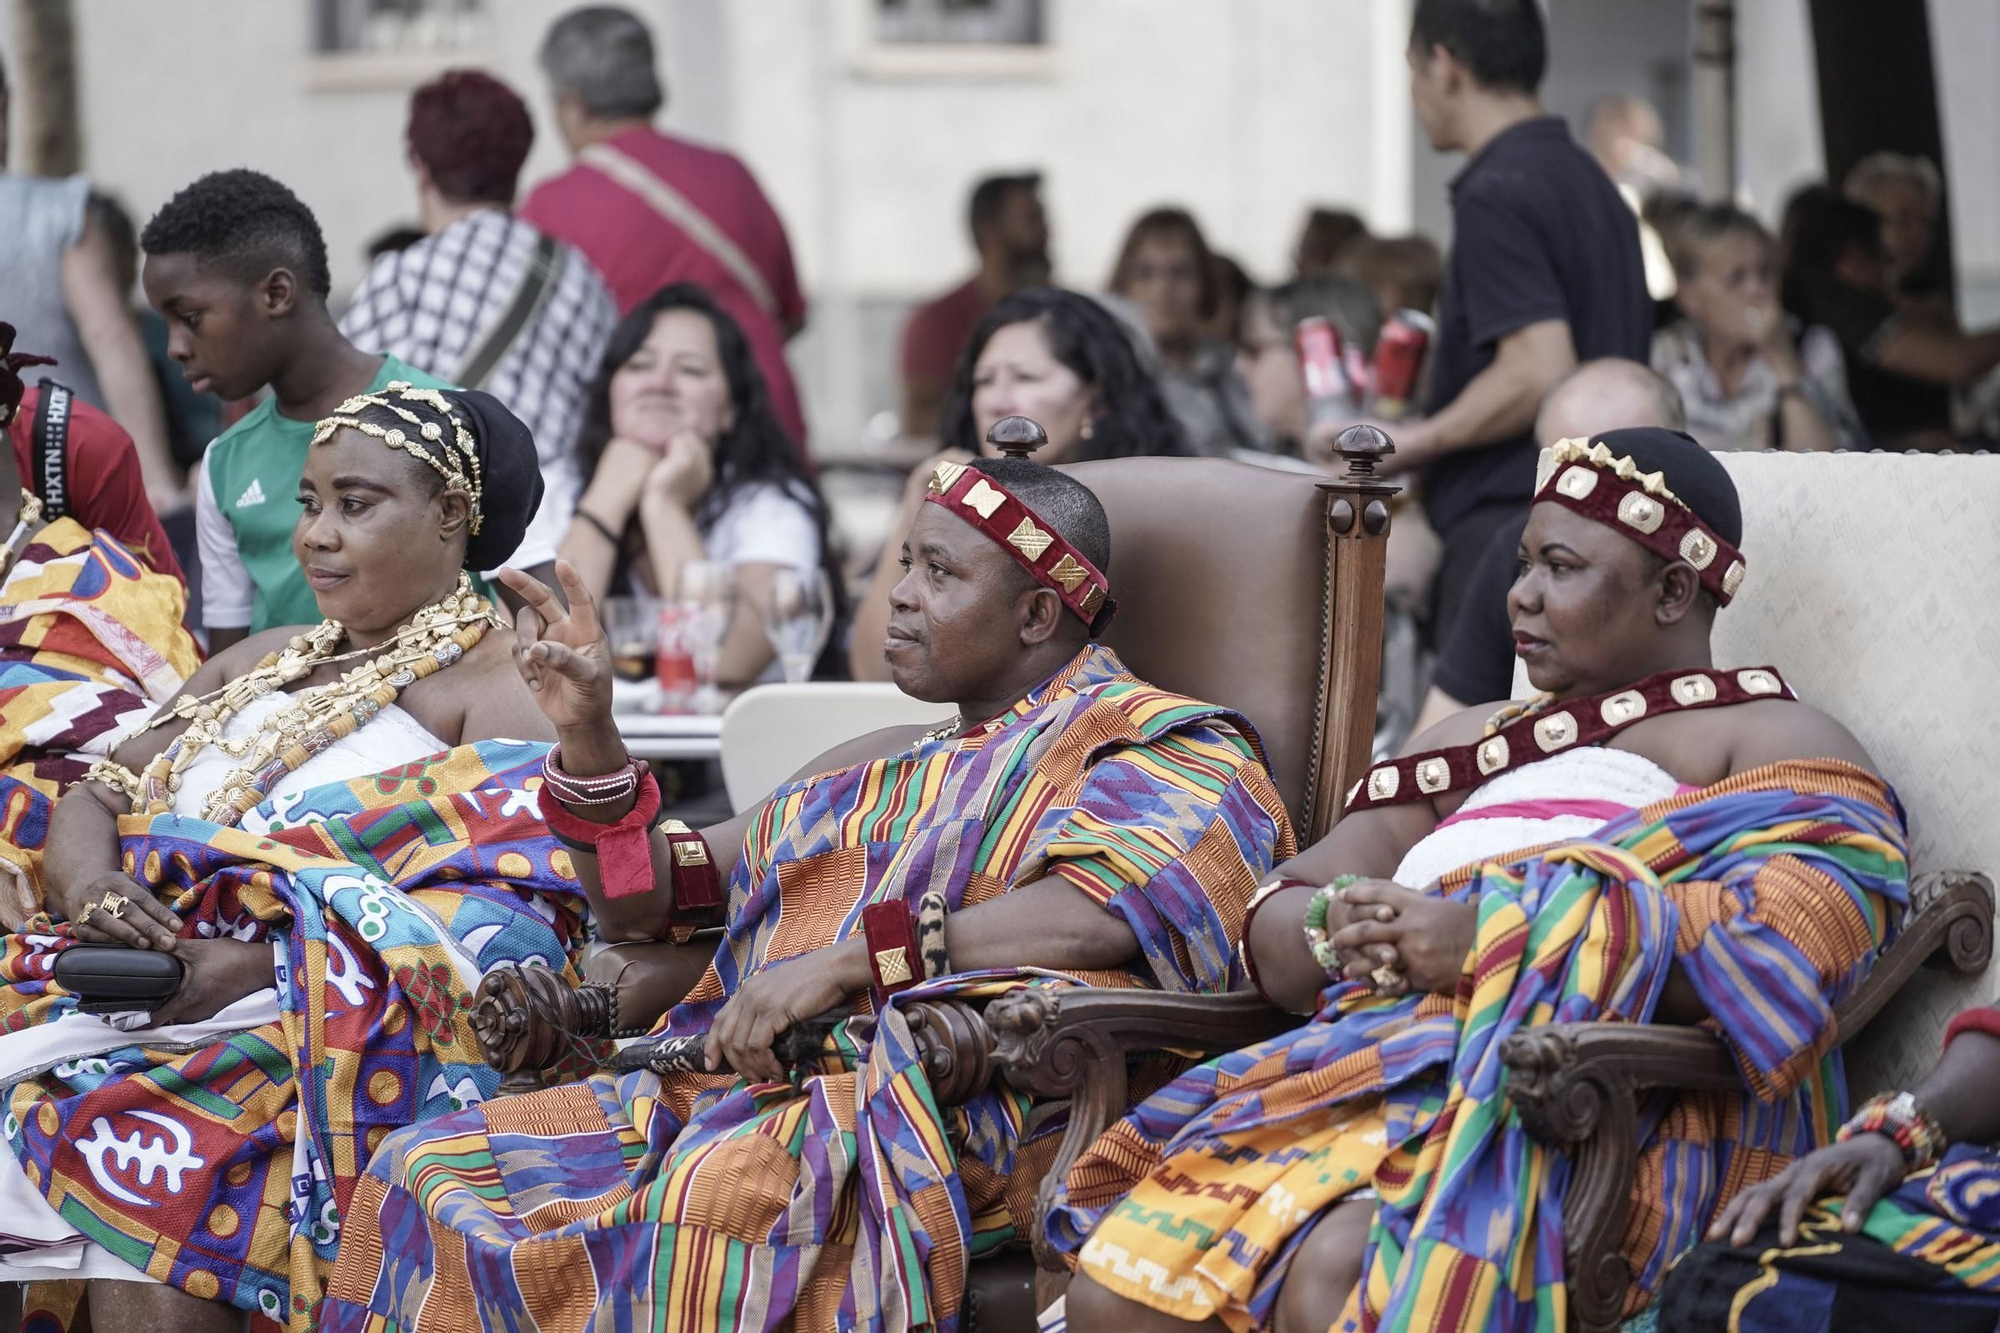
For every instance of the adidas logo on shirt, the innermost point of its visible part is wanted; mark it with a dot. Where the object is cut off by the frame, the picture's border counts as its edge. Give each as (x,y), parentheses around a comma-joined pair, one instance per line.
(253,494)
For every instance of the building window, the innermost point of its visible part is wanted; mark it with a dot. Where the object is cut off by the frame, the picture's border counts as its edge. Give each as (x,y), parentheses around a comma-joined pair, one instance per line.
(966,22)
(399,26)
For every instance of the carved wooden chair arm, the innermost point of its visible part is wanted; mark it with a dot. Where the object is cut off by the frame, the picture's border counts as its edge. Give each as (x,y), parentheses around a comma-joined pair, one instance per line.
(1577,1084)
(1073,1044)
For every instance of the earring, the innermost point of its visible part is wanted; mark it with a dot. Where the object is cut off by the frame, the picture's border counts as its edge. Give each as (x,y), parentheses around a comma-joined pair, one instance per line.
(1089,431)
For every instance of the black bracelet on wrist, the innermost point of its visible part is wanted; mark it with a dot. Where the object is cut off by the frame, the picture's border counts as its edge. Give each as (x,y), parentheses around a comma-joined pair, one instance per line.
(603,528)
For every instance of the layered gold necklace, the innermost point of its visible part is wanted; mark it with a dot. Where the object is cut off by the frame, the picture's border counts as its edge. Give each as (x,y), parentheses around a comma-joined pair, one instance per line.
(437,636)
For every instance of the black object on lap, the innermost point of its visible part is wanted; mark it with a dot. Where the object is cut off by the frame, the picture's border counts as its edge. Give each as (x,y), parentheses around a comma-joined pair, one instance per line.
(114,979)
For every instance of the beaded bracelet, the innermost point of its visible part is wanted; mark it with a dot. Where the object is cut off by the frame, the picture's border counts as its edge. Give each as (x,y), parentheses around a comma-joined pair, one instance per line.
(1897,1116)
(599,789)
(1317,937)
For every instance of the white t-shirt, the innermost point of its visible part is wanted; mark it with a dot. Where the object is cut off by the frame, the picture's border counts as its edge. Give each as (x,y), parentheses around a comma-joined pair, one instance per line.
(765,524)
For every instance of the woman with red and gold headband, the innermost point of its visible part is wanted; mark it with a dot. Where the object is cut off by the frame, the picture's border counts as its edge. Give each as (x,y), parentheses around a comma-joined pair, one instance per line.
(1652,838)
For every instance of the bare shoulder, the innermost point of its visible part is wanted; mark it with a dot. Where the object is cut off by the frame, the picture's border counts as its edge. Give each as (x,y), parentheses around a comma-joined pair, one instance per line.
(497,702)
(1771,731)
(1461,728)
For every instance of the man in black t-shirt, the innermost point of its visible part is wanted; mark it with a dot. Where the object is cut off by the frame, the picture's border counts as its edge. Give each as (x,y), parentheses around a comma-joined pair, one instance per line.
(1545,271)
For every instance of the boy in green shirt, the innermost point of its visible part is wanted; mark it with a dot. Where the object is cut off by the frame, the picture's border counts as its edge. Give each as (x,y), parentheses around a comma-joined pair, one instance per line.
(236,265)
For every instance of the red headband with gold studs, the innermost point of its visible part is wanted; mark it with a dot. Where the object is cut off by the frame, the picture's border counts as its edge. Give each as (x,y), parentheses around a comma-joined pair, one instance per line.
(1013,527)
(1607,489)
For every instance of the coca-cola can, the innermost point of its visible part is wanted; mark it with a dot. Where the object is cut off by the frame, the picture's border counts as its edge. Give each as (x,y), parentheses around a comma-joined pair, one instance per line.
(1399,359)
(1329,390)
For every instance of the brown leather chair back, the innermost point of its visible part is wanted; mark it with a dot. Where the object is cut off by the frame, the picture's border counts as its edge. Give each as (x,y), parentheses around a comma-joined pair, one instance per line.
(1238,585)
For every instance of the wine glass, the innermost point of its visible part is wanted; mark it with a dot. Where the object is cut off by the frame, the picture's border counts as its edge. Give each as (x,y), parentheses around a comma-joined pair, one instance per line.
(706,597)
(630,627)
(798,616)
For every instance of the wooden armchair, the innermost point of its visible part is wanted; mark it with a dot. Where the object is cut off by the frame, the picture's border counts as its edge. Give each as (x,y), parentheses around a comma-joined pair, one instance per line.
(1250,587)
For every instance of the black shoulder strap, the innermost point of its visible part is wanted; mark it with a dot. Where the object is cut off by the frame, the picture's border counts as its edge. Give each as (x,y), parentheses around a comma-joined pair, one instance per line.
(528,297)
(49,456)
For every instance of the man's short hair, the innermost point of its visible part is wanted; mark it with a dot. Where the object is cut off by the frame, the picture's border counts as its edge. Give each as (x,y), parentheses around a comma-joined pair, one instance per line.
(472,133)
(1504,43)
(602,55)
(989,198)
(1671,409)
(1059,500)
(246,222)
(1878,169)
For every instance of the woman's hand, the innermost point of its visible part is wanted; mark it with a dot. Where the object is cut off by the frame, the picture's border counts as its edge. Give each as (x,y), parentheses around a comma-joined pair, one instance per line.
(1865,1168)
(777,997)
(562,654)
(141,920)
(1426,939)
(215,975)
(683,473)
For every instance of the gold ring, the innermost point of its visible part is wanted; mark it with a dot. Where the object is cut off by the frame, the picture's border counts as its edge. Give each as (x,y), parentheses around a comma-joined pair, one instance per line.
(83,917)
(1385,976)
(114,904)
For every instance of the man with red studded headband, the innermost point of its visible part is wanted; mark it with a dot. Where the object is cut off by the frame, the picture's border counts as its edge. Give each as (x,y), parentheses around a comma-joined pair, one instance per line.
(1654,837)
(1070,819)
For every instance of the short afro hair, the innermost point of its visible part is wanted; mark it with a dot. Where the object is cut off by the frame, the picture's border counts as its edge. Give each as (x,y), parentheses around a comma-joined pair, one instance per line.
(1062,502)
(472,133)
(245,221)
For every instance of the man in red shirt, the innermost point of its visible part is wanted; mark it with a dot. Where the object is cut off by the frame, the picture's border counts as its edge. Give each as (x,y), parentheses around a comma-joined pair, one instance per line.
(1010,230)
(105,486)
(649,209)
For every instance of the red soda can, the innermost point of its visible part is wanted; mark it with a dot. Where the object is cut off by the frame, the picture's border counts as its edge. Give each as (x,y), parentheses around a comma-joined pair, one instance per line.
(673,662)
(1329,390)
(1399,359)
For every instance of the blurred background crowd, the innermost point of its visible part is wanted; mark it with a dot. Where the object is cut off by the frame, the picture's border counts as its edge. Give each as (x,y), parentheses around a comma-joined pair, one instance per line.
(746,268)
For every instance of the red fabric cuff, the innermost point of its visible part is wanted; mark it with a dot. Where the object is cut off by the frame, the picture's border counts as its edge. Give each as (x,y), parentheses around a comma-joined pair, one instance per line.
(624,849)
(893,960)
(1974,1020)
(697,882)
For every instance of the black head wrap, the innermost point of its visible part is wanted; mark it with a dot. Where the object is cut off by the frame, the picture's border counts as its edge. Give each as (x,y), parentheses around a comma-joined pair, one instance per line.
(1694,474)
(502,473)
(511,473)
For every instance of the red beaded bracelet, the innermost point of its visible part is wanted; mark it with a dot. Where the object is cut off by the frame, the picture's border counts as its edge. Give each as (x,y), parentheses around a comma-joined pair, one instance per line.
(1897,1115)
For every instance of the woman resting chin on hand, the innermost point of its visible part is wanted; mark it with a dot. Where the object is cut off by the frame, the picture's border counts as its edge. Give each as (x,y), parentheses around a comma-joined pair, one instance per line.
(686,462)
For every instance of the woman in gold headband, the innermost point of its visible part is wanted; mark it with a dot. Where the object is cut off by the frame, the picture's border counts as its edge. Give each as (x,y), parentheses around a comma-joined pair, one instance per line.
(195,839)
(1652,838)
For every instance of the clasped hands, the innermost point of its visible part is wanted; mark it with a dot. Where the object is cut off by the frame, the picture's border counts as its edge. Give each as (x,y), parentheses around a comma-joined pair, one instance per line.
(1422,939)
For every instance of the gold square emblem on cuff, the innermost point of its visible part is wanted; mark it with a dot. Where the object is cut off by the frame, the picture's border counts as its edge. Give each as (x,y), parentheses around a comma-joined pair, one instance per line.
(690,854)
(892,966)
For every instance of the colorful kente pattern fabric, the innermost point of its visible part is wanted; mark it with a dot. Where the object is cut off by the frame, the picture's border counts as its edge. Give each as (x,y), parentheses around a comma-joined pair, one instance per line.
(1774,889)
(90,639)
(1927,1257)
(700,1204)
(226,1170)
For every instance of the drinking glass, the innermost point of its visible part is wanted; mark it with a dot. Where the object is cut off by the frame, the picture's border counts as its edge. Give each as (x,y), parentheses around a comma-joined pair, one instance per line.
(630,627)
(706,604)
(798,616)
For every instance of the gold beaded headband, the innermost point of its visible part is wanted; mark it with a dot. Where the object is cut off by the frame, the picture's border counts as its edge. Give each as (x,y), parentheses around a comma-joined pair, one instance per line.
(454,471)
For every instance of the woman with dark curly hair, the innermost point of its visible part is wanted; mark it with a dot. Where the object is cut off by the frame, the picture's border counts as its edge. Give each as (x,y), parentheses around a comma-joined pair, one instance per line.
(683,459)
(1061,360)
